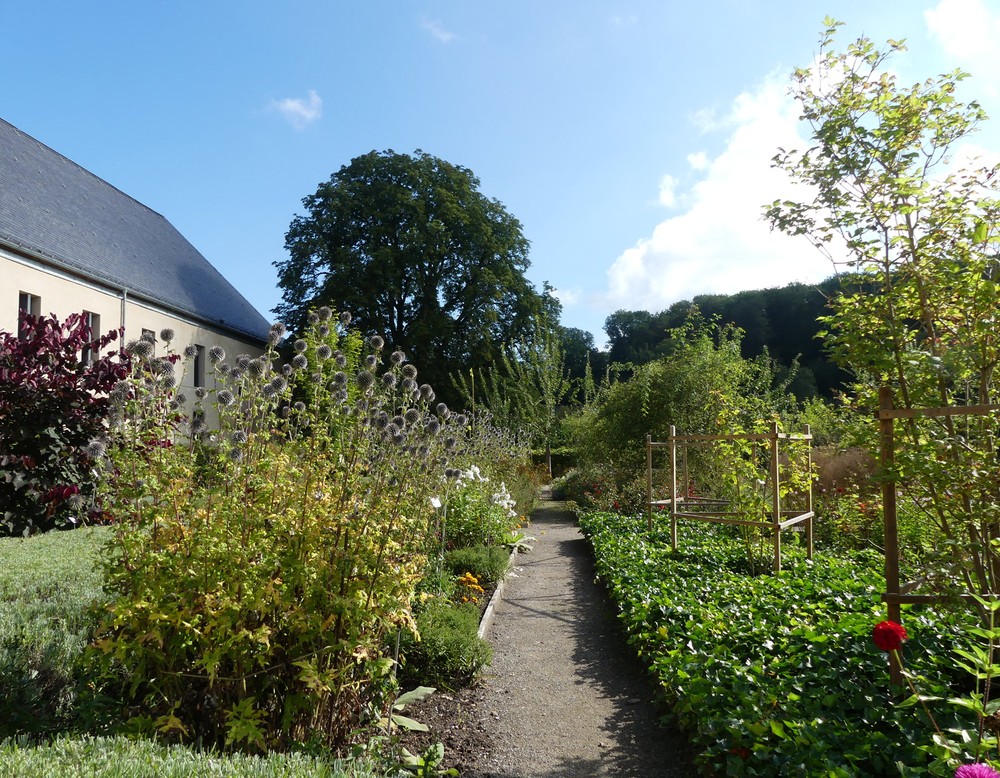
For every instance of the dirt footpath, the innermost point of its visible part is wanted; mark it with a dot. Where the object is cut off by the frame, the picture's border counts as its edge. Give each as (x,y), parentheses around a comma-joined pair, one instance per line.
(564,695)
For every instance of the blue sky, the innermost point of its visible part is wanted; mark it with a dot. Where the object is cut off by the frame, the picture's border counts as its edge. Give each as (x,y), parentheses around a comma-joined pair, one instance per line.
(632,139)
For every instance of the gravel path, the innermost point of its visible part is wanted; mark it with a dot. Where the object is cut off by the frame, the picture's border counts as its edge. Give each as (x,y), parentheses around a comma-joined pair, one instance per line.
(564,695)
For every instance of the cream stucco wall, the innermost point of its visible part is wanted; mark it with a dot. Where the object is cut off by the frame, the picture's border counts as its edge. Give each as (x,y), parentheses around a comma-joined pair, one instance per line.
(62,294)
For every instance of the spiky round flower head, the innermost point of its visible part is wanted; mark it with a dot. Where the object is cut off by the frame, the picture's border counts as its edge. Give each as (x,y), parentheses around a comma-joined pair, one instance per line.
(168,381)
(300,345)
(174,405)
(426,393)
(200,392)
(256,367)
(381,420)
(225,398)
(324,313)
(235,375)
(222,368)
(287,370)
(399,421)
(324,352)
(277,330)
(442,410)
(148,335)
(410,371)
(450,443)
(451,473)
(299,362)
(190,351)
(389,380)
(432,427)
(236,454)
(339,378)
(340,396)
(96,449)
(242,361)
(313,317)
(345,318)
(142,349)
(216,354)
(364,379)
(316,378)
(412,416)
(399,439)
(299,406)
(166,334)
(180,398)
(340,359)
(461,420)
(285,411)
(322,330)
(408,385)
(397,357)
(376,343)
(361,405)
(198,426)
(239,437)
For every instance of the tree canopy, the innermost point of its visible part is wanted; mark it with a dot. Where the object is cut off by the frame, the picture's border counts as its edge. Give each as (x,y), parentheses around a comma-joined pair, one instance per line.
(411,247)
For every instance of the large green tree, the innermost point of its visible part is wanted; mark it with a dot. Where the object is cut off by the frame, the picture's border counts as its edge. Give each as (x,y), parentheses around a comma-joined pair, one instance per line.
(411,247)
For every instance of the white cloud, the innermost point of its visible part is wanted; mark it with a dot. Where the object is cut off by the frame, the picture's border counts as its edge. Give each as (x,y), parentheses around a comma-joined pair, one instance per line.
(300,112)
(438,31)
(967,30)
(567,297)
(720,243)
(668,195)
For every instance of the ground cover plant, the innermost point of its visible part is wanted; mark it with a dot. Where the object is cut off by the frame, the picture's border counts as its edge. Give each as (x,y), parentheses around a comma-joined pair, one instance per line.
(778,674)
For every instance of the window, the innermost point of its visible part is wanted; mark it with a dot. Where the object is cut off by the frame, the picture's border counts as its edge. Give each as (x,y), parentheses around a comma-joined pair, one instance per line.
(27,303)
(151,337)
(92,320)
(199,366)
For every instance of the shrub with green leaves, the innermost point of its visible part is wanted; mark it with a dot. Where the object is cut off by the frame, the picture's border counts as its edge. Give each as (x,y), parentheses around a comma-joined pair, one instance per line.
(447,652)
(256,568)
(489,564)
(776,674)
(53,402)
(477,511)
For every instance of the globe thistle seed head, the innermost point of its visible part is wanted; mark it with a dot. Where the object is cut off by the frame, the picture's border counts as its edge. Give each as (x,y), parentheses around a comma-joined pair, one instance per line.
(243,361)
(139,349)
(324,313)
(399,439)
(316,378)
(323,330)
(442,410)
(450,443)
(256,367)
(216,354)
(433,427)
(426,392)
(166,334)
(200,392)
(408,385)
(235,374)
(340,359)
(313,317)
(236,454)
(340,378)
(364,379)
(324,352)
(239,437)
(400,422)
(180,398)
(287,370)
(148,336)
(285,411)
(96,448)
(381,419)
(410,371)
(198,426)
(461,420)
(225,398)
(168,380)
(299,406)
(277,331)
(300,345)
(223,368)
(412,416)
(299,362)
(389,380)
(397,357)
(361,405)
(269,391)
(371,361)
(190,351)
(341,396)
(376,343)
(345,318)
(451,473)
(174,405)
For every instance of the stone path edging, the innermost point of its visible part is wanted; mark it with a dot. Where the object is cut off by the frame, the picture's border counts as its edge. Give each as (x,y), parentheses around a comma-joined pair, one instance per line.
(487,618)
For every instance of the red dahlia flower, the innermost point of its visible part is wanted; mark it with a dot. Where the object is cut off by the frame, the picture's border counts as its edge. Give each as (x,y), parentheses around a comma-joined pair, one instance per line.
(888,635)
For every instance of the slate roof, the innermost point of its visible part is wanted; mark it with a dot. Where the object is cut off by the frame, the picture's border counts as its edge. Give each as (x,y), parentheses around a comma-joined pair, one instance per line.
(52,208)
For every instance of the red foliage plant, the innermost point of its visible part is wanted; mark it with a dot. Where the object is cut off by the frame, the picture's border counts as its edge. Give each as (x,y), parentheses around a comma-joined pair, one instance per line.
(52,404)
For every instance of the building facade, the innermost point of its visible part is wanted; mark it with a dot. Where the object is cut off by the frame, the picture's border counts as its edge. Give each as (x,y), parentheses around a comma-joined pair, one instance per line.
(72,243)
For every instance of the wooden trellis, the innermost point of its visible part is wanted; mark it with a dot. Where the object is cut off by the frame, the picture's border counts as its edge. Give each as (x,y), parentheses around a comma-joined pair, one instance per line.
(683,506)
(896,593)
